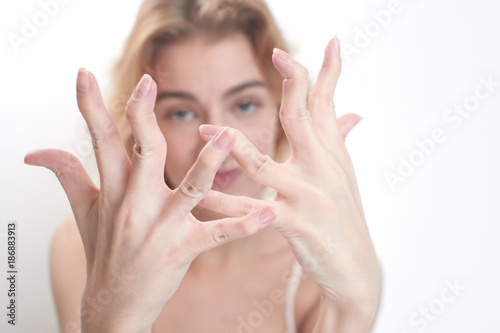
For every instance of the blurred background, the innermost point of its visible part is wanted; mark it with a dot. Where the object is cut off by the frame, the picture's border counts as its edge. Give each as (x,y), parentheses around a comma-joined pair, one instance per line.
(425,77)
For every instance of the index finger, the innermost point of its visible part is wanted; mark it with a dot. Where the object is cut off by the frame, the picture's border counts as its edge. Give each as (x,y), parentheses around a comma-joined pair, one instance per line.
(200,177)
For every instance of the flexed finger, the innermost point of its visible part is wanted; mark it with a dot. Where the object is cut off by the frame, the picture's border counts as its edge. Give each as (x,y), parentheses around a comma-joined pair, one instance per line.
(294,115)
(346,123)
(320,100)
(112,159)
(200,177)
(150,149)
(260,168)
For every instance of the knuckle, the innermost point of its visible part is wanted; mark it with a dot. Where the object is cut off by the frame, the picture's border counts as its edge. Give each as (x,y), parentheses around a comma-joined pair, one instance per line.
(191,191)
(98,139)
(102,135)
(261,164)
(320,96)
(245,227)
(67,162)
(220,235)
(289,114)
(108,126)
(146,151)
(131,110)
(245,208)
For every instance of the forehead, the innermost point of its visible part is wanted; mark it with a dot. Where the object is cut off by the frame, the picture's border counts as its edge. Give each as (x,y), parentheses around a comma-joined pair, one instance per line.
(199,64)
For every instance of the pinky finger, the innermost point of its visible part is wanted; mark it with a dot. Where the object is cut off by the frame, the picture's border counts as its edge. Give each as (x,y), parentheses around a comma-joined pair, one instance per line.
(346,123)
(218,232)
(77,184)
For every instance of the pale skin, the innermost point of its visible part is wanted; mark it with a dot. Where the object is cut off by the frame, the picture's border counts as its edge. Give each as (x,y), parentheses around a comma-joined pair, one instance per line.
(136,225)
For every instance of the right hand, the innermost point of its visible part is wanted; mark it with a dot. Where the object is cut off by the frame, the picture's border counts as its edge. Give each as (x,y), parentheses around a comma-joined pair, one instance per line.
(139,235)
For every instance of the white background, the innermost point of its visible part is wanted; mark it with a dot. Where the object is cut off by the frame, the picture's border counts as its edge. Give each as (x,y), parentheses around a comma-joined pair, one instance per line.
(441,224)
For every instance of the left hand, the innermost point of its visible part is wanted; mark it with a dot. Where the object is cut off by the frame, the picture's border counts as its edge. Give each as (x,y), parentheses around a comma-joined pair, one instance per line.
(320,210)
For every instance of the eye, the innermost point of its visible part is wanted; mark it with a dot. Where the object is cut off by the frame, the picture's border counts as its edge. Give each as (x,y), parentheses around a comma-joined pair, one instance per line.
(246,107)
(181,115)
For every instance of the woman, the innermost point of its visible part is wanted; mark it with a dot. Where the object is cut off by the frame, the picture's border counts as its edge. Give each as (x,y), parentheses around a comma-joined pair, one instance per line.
(189,241)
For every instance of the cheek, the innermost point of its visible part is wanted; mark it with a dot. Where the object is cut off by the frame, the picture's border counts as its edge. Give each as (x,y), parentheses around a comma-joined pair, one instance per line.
(265,136)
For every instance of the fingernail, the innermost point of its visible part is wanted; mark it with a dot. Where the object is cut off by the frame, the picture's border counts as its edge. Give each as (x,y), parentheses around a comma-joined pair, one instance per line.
(209,130)
(267,216)
(336,44)
(223,139)
(82,81)
(282,55)
(143,87)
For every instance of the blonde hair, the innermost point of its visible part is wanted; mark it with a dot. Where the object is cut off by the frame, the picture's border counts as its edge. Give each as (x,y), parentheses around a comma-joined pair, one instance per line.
(160,22)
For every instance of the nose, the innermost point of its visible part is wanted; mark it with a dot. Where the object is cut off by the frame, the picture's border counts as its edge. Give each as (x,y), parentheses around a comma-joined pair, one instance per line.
(215,117)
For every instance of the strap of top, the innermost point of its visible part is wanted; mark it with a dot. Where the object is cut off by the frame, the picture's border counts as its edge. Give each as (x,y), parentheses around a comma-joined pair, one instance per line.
(291,292)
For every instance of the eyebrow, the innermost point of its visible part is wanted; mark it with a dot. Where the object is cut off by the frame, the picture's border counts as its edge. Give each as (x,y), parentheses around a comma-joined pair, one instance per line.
(187,96)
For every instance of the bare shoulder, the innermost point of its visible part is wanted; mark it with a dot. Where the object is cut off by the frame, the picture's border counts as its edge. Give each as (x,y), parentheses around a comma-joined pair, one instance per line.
(68,274)
(307,304)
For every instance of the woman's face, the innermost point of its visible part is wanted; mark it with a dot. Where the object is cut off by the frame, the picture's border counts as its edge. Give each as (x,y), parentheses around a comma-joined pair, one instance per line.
(202,81)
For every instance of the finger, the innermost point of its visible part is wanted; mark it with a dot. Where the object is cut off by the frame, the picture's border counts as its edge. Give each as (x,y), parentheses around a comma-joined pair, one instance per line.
(200,177)
(346,123)
(150,149)
(294,116)
(79,188)
(260,168)
(111,157)
(320,99)
(215,233)
(231,205)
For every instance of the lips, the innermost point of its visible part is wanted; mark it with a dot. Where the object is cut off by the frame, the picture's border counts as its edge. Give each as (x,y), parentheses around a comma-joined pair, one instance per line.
(224,178)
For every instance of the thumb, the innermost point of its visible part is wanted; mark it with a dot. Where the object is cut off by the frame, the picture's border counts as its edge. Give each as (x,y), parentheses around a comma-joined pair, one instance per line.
(77,184)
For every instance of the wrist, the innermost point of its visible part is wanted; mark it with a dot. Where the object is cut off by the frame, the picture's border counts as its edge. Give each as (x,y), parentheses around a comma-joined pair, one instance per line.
(344,318)
(355,314)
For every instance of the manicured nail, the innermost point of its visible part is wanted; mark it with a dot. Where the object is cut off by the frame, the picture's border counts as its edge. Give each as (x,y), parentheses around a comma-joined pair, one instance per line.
(143,87)
(336,44)
(282,55)
(223,139)
(82,81)
(267,216)
(209,130)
